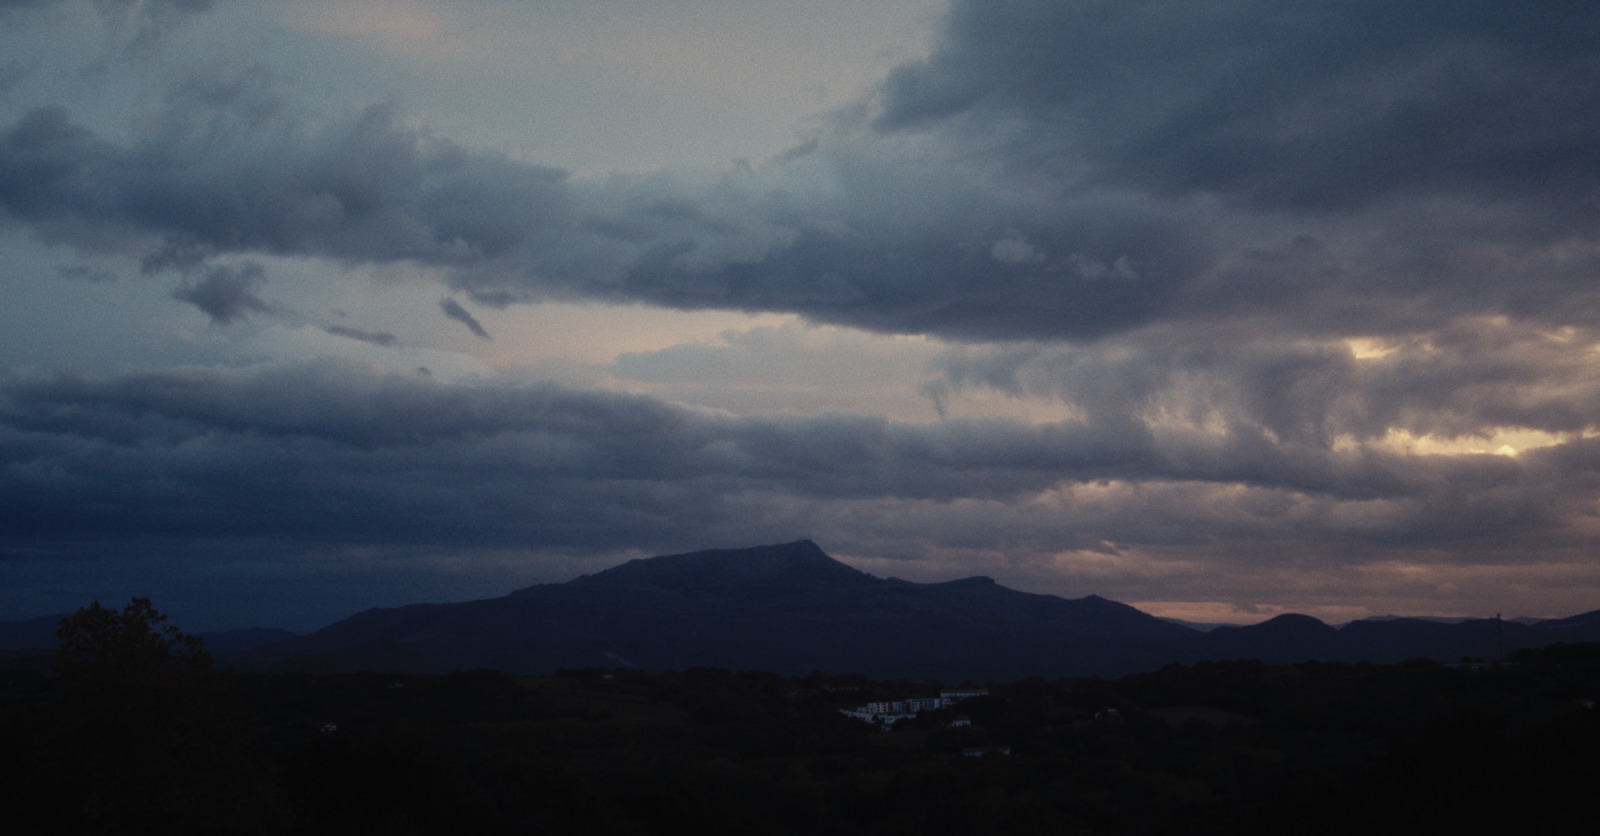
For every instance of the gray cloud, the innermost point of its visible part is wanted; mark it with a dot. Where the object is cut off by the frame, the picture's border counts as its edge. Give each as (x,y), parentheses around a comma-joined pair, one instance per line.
(1065,170)
(1179,221)
(1464,382)
(117,7)
(330,459)
(225,293)
(403,458)
(453,310)
(136,24)
(382,338)
(227,168)
(1310,104)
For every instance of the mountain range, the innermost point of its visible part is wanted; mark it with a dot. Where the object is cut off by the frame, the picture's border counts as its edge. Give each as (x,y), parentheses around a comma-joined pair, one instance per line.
(791,608)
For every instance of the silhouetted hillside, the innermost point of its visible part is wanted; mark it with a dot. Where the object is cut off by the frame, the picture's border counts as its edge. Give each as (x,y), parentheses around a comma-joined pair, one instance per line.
(787,608)
(792,609)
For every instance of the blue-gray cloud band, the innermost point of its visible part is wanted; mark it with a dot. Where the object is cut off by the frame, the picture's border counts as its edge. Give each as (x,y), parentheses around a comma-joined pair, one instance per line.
(1052,170)
(329,454)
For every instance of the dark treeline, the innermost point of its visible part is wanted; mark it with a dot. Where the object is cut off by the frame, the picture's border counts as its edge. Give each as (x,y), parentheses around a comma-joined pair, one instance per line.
(1218,747)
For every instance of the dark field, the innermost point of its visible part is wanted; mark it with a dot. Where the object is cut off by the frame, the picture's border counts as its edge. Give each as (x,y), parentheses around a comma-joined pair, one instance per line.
(1225,747)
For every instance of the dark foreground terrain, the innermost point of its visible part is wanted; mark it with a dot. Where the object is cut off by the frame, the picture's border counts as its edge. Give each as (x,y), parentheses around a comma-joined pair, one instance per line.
(1218,747)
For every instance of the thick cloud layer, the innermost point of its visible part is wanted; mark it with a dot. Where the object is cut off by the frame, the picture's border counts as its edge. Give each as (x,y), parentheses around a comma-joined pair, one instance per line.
(227,170)
(333,454)
(1469,381)
(1311,105)
(1052,170)
(1313,281)
(135,24)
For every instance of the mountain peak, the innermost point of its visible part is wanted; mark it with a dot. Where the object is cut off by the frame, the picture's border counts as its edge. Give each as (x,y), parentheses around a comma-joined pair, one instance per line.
(783,564)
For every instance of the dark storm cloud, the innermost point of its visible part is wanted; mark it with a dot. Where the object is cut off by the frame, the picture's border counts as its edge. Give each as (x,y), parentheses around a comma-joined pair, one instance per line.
(225,293)
(1053,170)
(1188,205)
(334,455)
(1078,170)
(1358,167)
(1266,255)
(228,168)
(1307,104)
(453,310)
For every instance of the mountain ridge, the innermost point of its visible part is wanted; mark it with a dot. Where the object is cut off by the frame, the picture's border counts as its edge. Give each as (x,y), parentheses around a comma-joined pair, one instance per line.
(791,608)
(787,607)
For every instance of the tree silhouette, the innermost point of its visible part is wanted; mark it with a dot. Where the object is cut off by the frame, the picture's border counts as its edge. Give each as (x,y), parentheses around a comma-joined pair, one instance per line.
(127,648)
(145,736)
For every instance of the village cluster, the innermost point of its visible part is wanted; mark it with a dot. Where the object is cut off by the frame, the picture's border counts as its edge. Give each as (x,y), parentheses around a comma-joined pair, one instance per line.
(886,713)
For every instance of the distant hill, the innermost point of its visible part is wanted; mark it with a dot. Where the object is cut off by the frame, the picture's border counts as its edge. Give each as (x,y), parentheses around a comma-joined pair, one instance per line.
(234,641)
(787,608)
(40,634)
(32,634)
(790,608)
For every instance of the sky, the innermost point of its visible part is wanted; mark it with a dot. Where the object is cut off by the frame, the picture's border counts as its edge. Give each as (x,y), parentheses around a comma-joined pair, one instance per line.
(1222,309)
